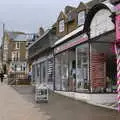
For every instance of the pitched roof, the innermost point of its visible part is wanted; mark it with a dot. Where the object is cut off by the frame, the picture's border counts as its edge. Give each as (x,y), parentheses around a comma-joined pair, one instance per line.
(62,15)
(17,36)
(20,37)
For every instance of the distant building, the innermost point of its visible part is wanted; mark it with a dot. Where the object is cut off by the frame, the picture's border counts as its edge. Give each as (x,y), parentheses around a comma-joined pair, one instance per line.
(40,54)
(15,52)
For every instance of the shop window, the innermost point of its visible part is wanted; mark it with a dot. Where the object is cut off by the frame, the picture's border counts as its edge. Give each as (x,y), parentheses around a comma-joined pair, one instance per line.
(38,70)
(58,72)
(71,69)
(64,70)
(82,70)
(33,73)
(103,68)
(44,72)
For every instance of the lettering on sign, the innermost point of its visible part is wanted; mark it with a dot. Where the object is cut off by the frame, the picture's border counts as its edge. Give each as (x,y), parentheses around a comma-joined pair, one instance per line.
(71,43)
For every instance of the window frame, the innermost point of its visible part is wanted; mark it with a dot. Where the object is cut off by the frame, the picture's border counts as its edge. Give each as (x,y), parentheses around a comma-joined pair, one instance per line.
(62,25)
(81,18)
(17,45)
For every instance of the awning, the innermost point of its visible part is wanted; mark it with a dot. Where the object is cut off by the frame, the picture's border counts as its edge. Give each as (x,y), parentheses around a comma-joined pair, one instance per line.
(69,35)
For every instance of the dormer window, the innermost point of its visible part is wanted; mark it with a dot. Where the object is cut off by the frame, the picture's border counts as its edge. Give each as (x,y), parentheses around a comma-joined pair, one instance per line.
(81,18)
(61,26)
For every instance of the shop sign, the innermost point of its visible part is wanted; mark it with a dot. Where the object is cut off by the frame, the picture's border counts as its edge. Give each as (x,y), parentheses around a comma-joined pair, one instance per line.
(117,28)
(71,43)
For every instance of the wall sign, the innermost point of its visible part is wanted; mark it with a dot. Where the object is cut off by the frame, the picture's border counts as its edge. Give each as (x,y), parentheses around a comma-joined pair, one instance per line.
(71,43)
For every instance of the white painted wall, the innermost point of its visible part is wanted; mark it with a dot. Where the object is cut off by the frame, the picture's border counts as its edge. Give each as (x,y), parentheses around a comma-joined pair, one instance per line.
(101,23)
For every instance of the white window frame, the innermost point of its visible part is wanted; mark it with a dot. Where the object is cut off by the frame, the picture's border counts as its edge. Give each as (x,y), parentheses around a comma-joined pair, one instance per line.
(81,18)
(61,25)
(17,55)
(17,45)
(13,55)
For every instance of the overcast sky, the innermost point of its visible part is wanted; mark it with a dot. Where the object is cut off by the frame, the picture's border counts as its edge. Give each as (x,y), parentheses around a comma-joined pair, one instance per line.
(29,15)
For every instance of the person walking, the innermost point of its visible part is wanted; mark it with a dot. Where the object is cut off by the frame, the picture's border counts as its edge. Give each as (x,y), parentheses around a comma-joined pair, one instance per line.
(29,76)
(1,77)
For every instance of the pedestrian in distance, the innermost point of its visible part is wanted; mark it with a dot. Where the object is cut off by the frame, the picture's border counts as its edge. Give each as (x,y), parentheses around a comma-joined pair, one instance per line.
(1,77)
(29,75)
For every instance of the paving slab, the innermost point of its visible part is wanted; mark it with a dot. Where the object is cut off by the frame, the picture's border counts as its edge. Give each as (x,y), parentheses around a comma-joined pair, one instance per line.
(14,107)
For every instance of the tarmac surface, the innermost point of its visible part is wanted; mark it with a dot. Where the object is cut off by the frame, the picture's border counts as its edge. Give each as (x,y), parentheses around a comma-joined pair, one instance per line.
(64,108)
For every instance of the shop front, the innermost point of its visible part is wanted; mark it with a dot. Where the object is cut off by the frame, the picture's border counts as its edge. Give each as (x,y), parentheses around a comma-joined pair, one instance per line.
(103,68)
(42,71)
(86,65)
(72,65)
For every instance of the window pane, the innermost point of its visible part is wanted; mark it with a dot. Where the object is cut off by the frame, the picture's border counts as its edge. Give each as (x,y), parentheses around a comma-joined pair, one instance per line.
(57,72)
(103,68)
(82,72)
(61,26)
(81,18)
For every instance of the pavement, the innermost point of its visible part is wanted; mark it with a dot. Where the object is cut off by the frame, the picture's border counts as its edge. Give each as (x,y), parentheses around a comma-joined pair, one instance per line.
(63,108)
(14,107)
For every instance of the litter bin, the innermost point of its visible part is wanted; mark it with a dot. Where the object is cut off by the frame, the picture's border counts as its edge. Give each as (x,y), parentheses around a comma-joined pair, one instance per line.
(41,93)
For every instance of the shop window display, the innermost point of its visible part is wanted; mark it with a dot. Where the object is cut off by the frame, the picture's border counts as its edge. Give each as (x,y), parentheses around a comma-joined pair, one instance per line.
(103,68)
(40,72)
(58,72)
(72,69)
(33,73)
(82,67)
(64,70)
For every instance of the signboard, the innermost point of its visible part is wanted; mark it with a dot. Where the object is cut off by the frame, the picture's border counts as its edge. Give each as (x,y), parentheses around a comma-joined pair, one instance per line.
(71,43)
(117,28)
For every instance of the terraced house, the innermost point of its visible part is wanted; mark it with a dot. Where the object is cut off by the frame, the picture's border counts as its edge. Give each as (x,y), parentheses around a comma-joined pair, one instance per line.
(84,58)
(15,54)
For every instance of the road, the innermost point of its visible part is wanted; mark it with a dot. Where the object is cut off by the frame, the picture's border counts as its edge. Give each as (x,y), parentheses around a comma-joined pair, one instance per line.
(63,108)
